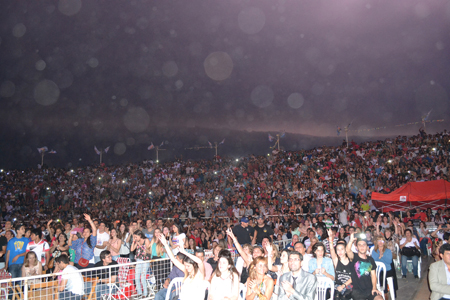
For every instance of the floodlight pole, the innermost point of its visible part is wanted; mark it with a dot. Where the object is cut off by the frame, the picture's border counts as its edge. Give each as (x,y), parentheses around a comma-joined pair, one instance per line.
(157,153)
(346,135)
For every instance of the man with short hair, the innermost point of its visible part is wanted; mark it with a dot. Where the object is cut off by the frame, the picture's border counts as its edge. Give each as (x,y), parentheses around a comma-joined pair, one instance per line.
(300,248)
(174,273)
(439,275)
(363,271)
(200,253)
(148,231)
(243,232)
(15,252)
(40,247)
(8,226)
(71,285)
(103,275)
(102,237)
(262,230)
(291,245)
(296,284)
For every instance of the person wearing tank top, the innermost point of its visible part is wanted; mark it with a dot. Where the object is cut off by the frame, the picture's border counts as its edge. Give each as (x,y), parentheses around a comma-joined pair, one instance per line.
(343,279)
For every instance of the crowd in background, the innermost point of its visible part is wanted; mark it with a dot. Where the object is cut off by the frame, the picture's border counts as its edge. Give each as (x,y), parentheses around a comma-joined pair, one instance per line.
(318,199)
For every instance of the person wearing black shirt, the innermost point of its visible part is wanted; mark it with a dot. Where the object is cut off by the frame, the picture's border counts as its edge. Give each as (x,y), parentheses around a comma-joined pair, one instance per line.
(243,232)
(262,230)
(103,274)
(363,271)
(3,244)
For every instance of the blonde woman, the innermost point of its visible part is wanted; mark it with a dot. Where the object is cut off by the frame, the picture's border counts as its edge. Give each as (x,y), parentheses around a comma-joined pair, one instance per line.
(259,285)
(31,267)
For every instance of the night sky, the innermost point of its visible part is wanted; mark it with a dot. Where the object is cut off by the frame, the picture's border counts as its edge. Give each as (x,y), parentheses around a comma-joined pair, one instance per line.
(78,73)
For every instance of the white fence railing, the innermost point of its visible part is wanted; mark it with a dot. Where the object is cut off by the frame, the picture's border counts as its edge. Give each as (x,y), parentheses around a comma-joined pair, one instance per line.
(120,281)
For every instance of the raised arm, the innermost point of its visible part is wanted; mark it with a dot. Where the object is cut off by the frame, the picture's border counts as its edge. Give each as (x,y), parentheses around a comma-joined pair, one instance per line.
(94,229)
(175,261)
(48,229)
(349,246)
(199,262)
(239,247)
(334,256)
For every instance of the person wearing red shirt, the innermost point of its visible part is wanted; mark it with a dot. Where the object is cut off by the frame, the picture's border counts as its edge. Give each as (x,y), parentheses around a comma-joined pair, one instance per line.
(196,237)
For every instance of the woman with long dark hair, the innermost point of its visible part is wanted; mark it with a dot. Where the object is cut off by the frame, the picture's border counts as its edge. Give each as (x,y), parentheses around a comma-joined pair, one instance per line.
(142,247)
(341,263)
(225,279)
(84,247)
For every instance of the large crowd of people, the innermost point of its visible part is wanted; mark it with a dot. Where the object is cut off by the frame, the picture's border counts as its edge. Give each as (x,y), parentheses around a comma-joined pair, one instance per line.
(238,209)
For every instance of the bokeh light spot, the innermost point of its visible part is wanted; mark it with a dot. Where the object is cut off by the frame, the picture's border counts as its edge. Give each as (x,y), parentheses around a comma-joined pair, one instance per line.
(136,119)
(7,89)
(40,65)
(262,96)
(69,7)
(19,30)
(218,66)
(251,20)
(92,62)
(295,100)
(170,69)
(46,92)
(120,148)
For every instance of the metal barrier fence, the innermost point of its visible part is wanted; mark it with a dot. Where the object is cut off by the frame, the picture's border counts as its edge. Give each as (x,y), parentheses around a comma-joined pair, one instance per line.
(120,281)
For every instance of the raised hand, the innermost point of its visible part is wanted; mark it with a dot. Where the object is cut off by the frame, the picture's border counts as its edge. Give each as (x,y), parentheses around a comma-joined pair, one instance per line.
(87,217)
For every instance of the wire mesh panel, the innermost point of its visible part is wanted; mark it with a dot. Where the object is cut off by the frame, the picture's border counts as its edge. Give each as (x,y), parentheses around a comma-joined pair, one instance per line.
(116,281)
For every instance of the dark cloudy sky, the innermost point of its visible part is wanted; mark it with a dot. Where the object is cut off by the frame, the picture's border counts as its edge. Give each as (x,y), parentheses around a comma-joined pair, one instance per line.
(121,71)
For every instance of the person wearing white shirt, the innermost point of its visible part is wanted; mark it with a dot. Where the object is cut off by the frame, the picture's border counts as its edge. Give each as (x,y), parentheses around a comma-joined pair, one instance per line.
(102,236)
(71,285)
(409,242)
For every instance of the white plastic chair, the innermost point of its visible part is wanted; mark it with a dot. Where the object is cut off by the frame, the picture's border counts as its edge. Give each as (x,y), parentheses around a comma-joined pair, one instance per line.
(323,283)
(119,287)
(176,284)
(397,261)
(242,291)
(381,267)
(419,263)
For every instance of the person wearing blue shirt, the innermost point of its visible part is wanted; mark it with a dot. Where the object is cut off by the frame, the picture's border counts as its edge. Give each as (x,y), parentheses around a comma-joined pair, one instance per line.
(382,254)
(15,252)
(320,265)
(174,273)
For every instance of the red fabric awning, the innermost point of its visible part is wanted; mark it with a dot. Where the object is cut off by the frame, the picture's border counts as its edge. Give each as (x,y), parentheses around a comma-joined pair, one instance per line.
(427,194)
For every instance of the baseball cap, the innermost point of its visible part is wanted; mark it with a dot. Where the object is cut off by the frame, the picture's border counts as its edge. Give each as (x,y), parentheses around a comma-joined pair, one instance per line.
(244,219)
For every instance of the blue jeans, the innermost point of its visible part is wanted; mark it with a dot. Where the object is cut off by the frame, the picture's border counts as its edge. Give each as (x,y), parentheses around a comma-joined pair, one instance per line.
(15,270)
(96,259)
(115,257)
(103,289)
(415,263)
(423,246)
(141,276)
(66,295)
(161,295)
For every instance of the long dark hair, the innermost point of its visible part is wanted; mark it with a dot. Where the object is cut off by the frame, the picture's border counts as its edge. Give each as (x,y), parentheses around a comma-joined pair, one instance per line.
(227,255)
(88,240)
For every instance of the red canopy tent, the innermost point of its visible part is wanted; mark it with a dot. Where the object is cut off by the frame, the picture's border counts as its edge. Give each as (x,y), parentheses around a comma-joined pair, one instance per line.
(422,195)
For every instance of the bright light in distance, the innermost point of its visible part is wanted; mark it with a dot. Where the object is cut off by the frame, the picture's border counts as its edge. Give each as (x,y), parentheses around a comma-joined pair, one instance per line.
(217,197)
(1,170)
(268,154)
(157,161)
(318,171)
(215,172)
(434,149)
(389,161)
(149,193)
(123,181)
(48,188)
(71,171)
(236,160)
(99,178)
